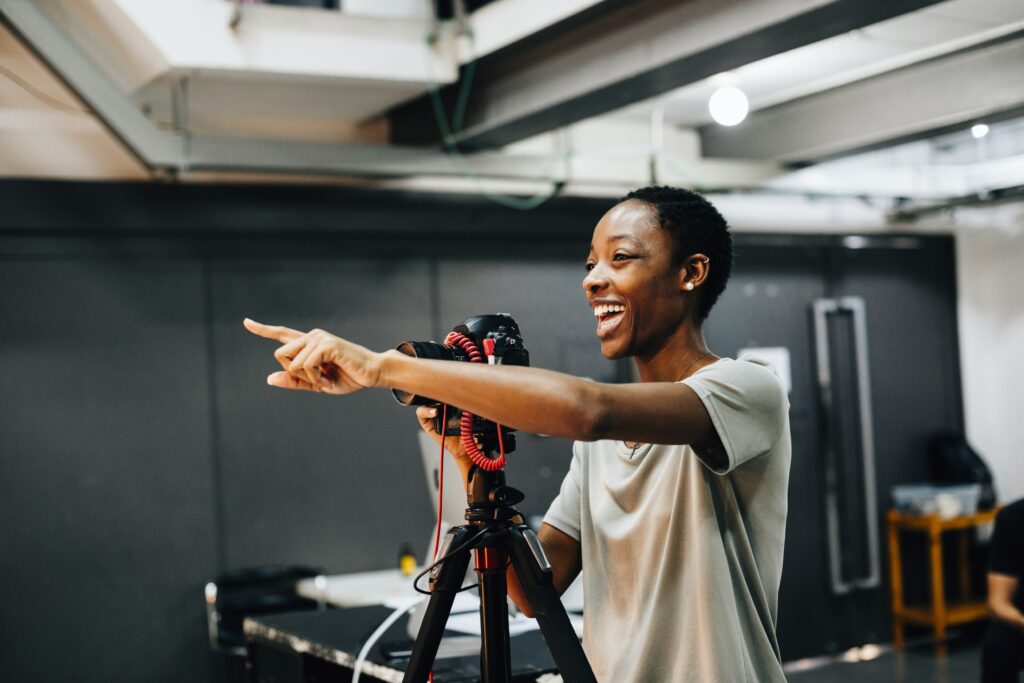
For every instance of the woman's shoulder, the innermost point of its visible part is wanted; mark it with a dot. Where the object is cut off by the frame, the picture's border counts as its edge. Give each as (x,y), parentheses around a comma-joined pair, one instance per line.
(744,366)
(748,374)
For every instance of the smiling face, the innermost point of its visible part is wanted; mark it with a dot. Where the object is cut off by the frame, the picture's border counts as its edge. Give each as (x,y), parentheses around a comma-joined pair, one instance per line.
(631,283)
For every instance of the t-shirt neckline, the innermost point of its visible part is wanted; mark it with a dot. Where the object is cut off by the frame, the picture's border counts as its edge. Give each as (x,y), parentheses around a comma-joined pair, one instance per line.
(627,453)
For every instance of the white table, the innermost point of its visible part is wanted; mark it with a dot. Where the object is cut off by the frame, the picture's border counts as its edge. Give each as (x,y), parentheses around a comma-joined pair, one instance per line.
(389,586)
(379,587)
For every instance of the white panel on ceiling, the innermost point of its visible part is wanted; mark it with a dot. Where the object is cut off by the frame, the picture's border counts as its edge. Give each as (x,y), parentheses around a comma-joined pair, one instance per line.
(860,54)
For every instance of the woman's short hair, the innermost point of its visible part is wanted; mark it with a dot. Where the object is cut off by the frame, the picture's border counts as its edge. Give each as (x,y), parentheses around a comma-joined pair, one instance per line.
(696,227)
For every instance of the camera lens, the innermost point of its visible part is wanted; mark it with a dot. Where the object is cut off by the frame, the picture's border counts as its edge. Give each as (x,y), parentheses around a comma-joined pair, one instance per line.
(418,349)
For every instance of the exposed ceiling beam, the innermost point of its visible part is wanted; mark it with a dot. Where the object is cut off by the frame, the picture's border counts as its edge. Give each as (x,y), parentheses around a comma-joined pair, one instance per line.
(929,98)
(170,150)
(631,52)
(187,153)
(355,159)
(913,211)
(499,24)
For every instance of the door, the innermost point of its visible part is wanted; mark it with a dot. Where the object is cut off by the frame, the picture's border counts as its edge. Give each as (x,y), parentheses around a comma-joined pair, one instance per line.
(907,286)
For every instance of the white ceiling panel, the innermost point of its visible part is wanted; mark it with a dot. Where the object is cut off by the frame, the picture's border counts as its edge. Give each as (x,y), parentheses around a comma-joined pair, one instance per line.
(991,12)
(860,54)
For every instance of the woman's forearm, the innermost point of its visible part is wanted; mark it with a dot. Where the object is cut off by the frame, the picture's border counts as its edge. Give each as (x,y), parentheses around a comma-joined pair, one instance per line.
(1007,613)
(530,399)
(1001,589)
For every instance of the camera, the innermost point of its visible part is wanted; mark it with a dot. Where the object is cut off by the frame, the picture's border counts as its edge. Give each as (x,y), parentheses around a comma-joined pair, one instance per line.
(491,338)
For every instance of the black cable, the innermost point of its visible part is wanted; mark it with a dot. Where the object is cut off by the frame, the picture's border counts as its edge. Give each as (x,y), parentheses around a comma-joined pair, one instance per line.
(465,544)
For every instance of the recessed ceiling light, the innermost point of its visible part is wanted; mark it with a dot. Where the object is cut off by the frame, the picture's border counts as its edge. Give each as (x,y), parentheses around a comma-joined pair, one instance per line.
(979,130)
(728,105)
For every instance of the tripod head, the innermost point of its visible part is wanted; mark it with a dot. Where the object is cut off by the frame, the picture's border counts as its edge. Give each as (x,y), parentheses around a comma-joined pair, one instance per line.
(490,498)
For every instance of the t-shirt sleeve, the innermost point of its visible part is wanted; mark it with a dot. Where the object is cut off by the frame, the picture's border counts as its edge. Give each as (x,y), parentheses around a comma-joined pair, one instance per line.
(1006,551)
(748,407)
(564,513)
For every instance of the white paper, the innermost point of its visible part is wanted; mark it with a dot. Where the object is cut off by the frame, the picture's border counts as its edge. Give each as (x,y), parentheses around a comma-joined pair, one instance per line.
(469,623)
(775,356)
(464,602)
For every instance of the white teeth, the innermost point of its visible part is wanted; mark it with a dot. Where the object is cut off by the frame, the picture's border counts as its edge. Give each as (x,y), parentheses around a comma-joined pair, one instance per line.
(605,309)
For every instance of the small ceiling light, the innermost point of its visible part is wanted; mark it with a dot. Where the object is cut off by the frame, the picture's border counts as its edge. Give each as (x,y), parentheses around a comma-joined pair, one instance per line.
(728,105)
(979,130)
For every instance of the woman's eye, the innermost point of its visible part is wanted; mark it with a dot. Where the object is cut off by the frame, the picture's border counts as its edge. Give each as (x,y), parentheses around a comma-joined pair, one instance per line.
(589,267)
(620,257)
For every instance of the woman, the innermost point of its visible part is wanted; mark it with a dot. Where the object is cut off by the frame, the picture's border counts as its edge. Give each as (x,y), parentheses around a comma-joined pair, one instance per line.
(674,507)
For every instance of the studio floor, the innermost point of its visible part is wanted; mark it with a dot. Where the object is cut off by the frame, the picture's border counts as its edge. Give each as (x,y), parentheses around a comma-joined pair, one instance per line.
(917,664)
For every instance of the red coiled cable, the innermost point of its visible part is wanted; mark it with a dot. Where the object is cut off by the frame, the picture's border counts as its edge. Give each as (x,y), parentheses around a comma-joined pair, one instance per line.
(479,458)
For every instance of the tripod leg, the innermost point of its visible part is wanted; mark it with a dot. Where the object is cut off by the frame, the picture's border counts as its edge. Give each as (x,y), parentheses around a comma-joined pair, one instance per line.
(534,574)
(445,582)
(495,651)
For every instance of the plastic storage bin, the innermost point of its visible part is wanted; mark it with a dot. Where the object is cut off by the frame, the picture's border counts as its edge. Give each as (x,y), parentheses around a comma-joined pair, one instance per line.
(946,501)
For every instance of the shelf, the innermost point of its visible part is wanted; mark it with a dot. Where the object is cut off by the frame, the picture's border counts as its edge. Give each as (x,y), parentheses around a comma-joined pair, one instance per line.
(942,613)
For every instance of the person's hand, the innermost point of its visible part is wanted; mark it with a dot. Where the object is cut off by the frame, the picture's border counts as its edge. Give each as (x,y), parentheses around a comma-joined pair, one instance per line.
(319,361)
(452,444)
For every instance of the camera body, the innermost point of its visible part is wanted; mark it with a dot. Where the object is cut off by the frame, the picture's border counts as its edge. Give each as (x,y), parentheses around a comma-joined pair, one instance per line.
(497,329)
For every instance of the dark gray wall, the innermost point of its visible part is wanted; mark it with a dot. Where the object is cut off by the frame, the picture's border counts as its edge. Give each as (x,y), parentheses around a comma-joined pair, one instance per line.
(142,451)
(106,492)
(305,477)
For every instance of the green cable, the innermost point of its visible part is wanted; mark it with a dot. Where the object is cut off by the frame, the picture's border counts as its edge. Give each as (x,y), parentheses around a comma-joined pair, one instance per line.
(452,149)
(460,105)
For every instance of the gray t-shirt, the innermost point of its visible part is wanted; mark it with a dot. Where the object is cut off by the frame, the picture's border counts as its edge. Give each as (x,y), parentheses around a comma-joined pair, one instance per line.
(682,557)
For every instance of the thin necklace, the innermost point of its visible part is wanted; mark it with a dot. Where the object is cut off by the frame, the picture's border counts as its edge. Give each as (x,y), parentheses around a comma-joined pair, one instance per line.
(637,444)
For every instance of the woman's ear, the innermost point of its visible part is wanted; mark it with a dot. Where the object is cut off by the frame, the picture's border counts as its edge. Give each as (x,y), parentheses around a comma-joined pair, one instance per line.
(694,272)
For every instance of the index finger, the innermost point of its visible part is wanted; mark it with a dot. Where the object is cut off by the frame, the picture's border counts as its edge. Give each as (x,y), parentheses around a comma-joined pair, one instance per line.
(281,334)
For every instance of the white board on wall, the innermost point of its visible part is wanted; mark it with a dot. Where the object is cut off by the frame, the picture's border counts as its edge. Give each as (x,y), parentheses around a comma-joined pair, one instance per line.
(775,356)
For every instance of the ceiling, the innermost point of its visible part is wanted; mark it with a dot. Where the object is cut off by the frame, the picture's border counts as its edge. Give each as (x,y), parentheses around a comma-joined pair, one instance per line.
(852,56)
(846,98)
(45,131)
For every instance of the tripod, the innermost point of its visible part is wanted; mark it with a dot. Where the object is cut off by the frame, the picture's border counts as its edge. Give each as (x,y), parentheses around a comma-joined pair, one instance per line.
(495,540)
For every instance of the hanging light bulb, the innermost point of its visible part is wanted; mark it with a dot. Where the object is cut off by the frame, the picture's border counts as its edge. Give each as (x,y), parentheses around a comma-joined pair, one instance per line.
(728,105)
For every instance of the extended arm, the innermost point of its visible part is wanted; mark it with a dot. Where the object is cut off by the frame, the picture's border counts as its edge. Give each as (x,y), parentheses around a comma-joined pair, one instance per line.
(530,399)
(1001,589)
(546,402)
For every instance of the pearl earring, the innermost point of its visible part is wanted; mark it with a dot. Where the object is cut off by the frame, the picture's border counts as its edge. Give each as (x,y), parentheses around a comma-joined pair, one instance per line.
(689,286)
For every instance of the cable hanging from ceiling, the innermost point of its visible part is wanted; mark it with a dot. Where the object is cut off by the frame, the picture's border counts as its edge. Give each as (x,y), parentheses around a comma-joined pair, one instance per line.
(448,132)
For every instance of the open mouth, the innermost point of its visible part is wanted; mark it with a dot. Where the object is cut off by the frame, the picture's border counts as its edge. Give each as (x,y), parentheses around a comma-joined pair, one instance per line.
(608,317)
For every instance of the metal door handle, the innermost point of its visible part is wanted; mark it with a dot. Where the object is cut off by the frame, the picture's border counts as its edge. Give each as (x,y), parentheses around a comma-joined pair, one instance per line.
(822,309)
(855,305)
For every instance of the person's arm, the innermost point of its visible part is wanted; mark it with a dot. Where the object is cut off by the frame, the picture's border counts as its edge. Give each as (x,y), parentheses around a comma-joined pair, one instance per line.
(563,553)
(1001,589)
(547,402)
(529,399)
(452,444)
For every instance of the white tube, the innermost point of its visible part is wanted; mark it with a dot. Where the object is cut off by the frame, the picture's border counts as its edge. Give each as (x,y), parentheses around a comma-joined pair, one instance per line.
(375,636)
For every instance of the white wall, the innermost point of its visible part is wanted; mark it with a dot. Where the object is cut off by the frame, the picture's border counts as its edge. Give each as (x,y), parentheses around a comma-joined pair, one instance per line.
(990,274)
